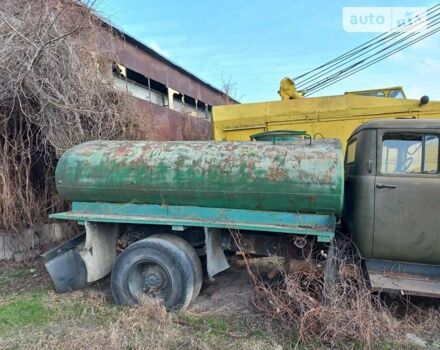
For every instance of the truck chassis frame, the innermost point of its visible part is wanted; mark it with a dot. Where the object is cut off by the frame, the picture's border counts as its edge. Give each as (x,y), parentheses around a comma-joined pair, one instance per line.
(96,251)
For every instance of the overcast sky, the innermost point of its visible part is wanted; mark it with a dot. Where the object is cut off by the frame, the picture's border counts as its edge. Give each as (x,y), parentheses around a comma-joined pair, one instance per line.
(255,43)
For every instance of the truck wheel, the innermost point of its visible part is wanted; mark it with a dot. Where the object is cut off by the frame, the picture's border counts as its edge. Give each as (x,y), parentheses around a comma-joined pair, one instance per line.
(156,267)
(191,253)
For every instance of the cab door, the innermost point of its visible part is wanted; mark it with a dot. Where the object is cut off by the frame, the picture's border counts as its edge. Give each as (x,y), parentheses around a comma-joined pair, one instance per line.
(360,171)
(407,197)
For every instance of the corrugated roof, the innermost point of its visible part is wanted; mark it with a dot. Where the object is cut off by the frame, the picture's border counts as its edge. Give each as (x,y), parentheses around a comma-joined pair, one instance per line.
(144,47)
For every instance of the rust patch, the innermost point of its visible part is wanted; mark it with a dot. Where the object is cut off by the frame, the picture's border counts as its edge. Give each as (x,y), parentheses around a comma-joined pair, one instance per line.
(277,174)
(122,150)
(146,148)
(180,161)
(251,166)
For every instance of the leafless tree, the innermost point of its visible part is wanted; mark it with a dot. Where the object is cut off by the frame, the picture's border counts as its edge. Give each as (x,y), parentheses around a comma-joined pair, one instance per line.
(229,89)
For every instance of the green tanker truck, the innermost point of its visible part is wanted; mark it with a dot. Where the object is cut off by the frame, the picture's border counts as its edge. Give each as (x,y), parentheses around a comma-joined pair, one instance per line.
(169,203)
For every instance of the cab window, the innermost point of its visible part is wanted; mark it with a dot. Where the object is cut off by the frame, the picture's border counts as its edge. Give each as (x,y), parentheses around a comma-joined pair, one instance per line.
(431,154)
(396,94)
(409,153)
(350,154)
(373,93)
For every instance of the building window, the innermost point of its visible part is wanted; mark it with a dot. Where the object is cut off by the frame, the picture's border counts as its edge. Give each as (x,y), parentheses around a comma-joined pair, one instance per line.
(191,106)
(139,86)
(147,89)
(179,102)
(201,109)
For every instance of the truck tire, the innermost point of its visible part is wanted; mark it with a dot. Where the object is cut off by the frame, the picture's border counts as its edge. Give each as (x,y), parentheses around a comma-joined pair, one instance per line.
(191,253)
(153,266)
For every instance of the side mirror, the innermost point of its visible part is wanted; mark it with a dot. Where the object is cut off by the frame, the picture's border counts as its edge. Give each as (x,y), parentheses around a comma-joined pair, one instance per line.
(424,100)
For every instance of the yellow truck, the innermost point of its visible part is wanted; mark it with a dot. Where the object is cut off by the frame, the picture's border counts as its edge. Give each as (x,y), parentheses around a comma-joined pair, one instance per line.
(321,117)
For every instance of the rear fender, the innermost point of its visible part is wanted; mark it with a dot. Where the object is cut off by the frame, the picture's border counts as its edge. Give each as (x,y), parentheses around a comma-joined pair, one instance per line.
(99,252)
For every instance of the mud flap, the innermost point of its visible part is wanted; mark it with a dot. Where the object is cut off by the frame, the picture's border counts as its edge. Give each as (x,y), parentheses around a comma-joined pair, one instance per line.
(65,266)
(215,257)
(99,252)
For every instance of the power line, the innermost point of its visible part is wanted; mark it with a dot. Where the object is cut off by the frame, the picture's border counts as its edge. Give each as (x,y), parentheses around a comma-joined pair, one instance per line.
(354,69)
(364,46)
(353,66)
(323,85)
(312,84)
(359,53)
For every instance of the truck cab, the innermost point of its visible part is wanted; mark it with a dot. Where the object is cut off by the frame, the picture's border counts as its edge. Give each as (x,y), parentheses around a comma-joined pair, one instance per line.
(392,188)
(391,92)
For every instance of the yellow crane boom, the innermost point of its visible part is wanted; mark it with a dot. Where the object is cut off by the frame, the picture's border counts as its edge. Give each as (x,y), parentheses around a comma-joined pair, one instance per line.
(321,117)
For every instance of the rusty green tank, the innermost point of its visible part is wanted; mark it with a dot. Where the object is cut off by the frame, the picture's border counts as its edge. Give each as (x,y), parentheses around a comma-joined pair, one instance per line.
(296,176)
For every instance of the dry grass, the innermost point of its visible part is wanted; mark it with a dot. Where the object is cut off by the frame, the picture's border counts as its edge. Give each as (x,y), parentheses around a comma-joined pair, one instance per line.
(146,326)
(32,318)
(350,315)
(86,320)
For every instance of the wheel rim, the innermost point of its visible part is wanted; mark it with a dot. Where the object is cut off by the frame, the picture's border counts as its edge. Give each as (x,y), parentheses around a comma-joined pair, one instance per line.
(149,277)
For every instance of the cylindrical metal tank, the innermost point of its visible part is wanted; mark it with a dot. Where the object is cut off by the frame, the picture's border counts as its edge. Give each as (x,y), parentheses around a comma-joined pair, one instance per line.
(291,177)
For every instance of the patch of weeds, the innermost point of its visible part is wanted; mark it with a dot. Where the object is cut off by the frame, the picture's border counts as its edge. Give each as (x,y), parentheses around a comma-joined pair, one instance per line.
(81,307)
(216,324)
(221,332)
(208,323)
(190,319)
(225,326)
(18,278)
(10,275)
(15,273)
(108,316)
(259,334)
(24,311)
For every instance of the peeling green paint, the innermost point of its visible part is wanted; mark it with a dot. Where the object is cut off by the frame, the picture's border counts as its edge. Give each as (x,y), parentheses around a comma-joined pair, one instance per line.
(289,177)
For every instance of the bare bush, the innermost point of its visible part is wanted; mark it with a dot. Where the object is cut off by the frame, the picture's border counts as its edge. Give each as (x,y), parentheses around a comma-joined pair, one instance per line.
(342,313)
(195,129)
(55,91)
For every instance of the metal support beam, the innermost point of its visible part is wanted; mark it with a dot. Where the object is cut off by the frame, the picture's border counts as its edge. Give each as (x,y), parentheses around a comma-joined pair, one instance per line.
(215,257)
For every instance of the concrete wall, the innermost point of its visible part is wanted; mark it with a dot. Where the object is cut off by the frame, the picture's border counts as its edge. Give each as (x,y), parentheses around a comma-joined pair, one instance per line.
(32,242)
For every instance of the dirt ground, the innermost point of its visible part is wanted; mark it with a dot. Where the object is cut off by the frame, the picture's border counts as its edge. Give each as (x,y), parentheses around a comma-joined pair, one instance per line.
(230,292)
(33,316)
